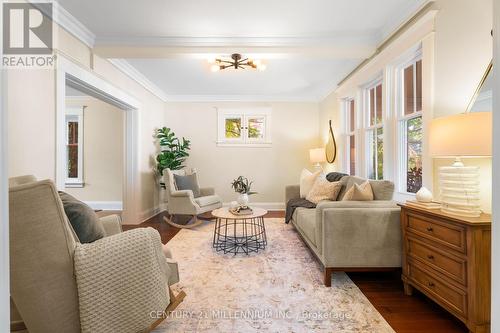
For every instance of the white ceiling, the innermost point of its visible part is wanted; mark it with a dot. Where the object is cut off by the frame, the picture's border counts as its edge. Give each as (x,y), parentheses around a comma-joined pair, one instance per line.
(308,45)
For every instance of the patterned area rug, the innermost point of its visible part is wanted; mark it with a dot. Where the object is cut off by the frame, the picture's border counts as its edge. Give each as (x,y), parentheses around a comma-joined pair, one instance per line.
(279,289)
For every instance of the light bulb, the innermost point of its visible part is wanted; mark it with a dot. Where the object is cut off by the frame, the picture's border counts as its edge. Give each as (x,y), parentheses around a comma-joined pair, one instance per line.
(261,67)
(257,62)
(211,60)
(214,68)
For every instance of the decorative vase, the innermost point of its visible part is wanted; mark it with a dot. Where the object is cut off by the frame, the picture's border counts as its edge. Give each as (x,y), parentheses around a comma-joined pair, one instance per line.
(424,195)
(243,199)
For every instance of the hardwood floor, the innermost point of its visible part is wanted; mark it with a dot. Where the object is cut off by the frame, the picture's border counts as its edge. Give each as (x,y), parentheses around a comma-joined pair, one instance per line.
(415,314)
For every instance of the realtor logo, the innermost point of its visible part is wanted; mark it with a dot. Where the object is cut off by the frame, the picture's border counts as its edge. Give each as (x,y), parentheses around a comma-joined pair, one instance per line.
(27,28)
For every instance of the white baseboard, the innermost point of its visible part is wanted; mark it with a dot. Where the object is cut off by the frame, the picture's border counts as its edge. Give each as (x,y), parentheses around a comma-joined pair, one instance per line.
(149,213)
(265,205)
(105,205)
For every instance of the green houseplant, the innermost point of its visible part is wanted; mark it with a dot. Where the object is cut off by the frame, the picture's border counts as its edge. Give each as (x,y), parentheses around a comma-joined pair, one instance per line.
(173,151)
(243,187)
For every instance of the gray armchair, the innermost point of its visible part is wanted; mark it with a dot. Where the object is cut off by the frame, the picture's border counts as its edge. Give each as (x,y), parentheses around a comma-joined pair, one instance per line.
(183,202)
(60,285)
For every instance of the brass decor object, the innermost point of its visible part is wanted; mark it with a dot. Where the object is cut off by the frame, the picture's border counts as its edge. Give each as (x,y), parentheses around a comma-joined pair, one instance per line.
(331,145)
(237,62)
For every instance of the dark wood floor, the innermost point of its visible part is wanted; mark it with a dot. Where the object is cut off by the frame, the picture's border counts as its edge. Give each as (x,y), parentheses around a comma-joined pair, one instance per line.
(415,314)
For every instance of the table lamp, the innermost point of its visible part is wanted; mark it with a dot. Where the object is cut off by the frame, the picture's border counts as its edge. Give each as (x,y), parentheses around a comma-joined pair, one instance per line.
(459,136)
(317,156)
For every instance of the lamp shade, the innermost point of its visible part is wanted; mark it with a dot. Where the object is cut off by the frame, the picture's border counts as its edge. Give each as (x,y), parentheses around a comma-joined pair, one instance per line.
(467,134)
(317,155)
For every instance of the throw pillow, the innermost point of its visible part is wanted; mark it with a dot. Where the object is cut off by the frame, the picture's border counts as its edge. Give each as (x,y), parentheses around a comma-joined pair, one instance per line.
(362,192)
(189,182)
(323,190)
(307,179)
(83,219)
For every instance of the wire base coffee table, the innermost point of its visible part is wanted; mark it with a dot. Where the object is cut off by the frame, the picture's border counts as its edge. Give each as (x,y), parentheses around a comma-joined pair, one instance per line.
(239,233)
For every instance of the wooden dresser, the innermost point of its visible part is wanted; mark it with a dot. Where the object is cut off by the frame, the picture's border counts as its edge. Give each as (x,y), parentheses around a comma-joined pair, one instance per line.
(448,258)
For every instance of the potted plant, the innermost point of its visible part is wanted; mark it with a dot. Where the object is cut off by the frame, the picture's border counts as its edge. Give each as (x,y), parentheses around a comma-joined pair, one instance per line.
(243,187)
(173,152)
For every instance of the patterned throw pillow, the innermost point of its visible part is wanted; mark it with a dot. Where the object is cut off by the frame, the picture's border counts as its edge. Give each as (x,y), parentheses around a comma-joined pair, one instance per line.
(323,190)
(307,179)
(362,192)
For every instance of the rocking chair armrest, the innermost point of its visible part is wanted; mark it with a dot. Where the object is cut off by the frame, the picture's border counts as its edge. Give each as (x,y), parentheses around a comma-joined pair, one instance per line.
(204,191)
(182,194)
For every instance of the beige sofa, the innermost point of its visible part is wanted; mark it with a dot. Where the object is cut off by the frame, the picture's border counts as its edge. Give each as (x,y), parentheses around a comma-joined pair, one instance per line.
(60,285)
(352,235)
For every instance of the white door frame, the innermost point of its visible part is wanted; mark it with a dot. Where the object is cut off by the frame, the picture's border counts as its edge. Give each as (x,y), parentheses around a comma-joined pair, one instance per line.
(87,81)
(4,204)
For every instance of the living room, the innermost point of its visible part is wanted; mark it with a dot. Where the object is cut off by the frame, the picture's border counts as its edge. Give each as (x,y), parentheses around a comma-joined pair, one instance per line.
(302,166)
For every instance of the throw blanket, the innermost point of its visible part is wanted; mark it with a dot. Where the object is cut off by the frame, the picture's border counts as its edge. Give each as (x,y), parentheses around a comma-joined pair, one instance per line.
(292,204)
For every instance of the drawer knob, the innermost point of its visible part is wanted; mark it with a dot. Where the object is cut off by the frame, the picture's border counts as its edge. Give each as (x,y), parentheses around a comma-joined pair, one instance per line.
(430,257)
(430,229)
(431,284)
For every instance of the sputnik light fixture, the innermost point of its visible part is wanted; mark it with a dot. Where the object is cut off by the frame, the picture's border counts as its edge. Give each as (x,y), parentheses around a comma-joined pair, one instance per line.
(237,62)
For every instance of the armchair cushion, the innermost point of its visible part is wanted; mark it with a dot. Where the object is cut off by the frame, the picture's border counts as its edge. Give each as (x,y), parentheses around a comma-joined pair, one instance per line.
(188,182)
(124,271)
(207,200)
(83,219)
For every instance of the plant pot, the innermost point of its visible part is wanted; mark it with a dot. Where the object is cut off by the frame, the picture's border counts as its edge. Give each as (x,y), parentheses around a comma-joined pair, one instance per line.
(243,199)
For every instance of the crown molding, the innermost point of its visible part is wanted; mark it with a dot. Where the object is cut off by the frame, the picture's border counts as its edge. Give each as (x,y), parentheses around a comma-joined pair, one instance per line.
(242,98)
(129,70)
(69,23)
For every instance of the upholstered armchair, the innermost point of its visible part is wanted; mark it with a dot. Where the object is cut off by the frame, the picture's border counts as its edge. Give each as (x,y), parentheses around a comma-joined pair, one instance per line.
(59,285)
(183,202)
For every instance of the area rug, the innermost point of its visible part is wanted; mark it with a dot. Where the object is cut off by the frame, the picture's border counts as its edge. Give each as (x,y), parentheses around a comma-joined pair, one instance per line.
(279,289)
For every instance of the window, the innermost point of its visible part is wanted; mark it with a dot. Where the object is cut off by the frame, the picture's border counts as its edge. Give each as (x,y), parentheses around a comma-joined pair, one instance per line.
(74,147)
(244,127)
(374,131)
(410,125)
(350,111)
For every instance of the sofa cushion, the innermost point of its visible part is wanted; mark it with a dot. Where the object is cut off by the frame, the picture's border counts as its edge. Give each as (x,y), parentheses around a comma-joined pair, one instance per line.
(382,189)
(361,192)
(305,219)
(83,219)
(188,182)
(323,190)
(307,179)
(207,200)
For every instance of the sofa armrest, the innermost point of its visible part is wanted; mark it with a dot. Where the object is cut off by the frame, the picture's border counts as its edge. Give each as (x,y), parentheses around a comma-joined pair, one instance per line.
(112,224)
(121,272)
(204,191)
(292,192)
(360,236)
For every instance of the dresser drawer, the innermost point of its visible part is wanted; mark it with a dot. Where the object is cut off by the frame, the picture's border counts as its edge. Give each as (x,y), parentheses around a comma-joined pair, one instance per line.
(452,236)
(452,298)
(449,265)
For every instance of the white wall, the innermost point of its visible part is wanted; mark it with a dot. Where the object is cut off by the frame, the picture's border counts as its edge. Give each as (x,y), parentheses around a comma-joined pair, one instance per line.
(458,43)
(294,132)
(32,142)
(103,151)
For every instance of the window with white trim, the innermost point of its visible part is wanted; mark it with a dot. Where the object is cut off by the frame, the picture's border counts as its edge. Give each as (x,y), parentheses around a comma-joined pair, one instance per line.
(350,116)
(374,131)
(74,147)
(410,130)
(244,127)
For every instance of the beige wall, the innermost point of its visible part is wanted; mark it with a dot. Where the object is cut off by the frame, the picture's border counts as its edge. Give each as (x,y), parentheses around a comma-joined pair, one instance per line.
(461,50)
(103,160)
(32,148)
(294,132)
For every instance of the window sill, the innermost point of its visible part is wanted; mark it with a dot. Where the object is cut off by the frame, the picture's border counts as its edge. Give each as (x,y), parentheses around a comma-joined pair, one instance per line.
(74,185)
(245,145)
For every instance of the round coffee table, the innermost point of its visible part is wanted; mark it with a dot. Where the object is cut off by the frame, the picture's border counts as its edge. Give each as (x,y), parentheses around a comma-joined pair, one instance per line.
(239,233)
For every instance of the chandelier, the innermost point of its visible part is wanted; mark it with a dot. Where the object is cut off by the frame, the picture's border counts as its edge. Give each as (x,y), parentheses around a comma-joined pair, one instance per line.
(237,62)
